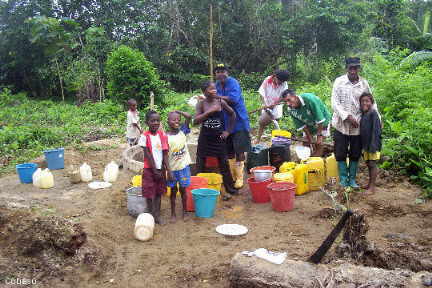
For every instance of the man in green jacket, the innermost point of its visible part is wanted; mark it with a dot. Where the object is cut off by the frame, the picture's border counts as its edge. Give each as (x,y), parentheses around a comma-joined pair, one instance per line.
(310,115)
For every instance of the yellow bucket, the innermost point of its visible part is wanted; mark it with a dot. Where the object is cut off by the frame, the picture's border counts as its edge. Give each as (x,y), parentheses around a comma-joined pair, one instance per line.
(301,179)
(214,180)
(137,181)
(281,133)
(287,167)
(284,177)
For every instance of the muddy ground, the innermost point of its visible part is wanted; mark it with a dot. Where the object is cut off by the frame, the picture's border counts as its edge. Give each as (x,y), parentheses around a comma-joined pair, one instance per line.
(190,253)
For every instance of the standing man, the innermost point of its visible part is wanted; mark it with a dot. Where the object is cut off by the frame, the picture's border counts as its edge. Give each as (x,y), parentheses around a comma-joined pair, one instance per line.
(238,142)
(270,92)
(310,115)
(345,100)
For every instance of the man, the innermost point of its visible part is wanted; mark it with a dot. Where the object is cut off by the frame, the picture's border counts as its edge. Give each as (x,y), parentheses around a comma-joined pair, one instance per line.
(270,92)
(345,100)
(239,141)
(310,115)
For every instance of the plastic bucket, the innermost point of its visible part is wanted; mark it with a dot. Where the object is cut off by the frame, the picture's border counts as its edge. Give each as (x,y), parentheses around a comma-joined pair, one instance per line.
(205,202)
(196,183)
(259,191)
(215,180)
(55,158)
(282,196)
(25,172)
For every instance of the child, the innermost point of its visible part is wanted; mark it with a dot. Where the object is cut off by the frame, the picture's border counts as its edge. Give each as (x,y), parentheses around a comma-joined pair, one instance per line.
(133,129)
(178,158)
(155,145)
(212,138)
(370,134)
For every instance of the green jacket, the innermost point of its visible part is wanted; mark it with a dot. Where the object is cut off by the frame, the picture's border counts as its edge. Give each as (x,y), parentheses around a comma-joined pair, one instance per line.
(311,113)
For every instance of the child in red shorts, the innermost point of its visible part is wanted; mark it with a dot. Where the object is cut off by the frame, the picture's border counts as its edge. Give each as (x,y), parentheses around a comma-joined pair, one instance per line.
(155,145)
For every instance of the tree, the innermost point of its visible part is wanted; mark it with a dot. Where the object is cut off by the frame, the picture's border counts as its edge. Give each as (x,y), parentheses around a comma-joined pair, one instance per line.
(131,75)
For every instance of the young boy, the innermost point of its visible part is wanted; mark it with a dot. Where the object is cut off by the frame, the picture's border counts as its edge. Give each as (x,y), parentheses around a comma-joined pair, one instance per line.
(178,158)
(133,129)
(370,134)
(155,145)
(213,136)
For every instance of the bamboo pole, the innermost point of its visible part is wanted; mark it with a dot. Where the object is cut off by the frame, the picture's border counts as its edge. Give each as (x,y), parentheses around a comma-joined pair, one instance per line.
(211,42)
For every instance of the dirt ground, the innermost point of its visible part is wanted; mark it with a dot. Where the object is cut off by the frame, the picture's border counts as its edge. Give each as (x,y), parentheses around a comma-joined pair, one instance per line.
(190,253)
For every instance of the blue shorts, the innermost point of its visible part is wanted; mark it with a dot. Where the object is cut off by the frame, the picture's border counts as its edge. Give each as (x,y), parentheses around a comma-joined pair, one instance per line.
(183,177)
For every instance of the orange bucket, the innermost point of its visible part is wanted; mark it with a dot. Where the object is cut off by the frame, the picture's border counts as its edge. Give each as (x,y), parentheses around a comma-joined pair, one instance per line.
(196,183)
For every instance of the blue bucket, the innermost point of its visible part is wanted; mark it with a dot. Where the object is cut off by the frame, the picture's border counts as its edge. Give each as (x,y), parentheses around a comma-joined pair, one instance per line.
(55,158)
(25,172)
(205,202)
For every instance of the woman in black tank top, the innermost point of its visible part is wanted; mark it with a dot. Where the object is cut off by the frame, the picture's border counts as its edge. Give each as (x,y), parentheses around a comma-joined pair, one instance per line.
(212,138)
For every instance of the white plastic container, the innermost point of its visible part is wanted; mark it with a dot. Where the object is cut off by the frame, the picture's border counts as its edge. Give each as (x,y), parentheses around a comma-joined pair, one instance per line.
(144,227)
(36,177)
(86,173)
(111,172)
(46,179)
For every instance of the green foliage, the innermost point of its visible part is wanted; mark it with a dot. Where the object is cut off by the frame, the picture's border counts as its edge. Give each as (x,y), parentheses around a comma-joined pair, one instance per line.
(27,127)
(131,75)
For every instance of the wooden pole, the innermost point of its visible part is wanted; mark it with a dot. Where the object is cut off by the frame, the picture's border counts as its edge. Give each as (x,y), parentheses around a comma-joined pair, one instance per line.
(211,42)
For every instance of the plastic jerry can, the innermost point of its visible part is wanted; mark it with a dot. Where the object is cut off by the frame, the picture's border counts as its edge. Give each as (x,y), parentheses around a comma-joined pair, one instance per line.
(144,227)
(36,177)
(111,172)
(316,177)
(86,173)
(301,179)
(46,179)
(332,173)
(287,167)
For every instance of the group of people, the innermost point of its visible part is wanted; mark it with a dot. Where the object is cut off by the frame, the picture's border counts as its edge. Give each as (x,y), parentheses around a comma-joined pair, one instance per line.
(225,132)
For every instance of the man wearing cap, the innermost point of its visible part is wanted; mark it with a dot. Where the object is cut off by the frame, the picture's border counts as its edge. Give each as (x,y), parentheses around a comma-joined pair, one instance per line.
(345,101)
(270,92)
(239,141)
(310,115)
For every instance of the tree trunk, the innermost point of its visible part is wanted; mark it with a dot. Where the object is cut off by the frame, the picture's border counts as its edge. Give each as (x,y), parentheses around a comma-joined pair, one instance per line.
(211,42)
(60,78)
(252,272)
(426,22)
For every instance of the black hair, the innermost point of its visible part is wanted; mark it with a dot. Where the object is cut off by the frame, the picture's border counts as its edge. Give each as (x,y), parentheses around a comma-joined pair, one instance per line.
(149,114)
(367,94)
(173,112)
(282,75)
(352,61)
(287,92)
(205,85)
(131,101)
(220,67)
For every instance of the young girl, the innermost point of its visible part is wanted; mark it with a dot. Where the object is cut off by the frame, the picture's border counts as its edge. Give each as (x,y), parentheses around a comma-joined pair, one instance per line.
(155,145)
(212,138)
(133,129)
(370,134)
(178,158)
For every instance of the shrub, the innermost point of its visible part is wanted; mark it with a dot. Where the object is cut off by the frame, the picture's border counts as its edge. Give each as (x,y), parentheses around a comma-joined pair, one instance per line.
(131,75)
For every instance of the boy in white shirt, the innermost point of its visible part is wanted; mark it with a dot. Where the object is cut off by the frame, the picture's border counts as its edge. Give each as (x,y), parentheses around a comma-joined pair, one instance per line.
(133,128)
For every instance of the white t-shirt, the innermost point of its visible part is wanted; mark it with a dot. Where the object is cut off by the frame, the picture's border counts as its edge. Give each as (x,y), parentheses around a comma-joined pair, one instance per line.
(156,148)
(178,155)
(271,94)
(131,130)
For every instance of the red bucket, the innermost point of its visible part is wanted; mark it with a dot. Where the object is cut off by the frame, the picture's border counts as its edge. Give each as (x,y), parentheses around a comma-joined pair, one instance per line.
(259,191)
(282,196)
(196,183)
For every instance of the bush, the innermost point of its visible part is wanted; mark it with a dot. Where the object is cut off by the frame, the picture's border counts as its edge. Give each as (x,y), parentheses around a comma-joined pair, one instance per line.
(131,75)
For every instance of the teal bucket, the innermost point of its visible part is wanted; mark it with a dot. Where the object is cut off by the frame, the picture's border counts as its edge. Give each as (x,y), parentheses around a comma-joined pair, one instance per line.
(205,202)
(55,158)
(25,172)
